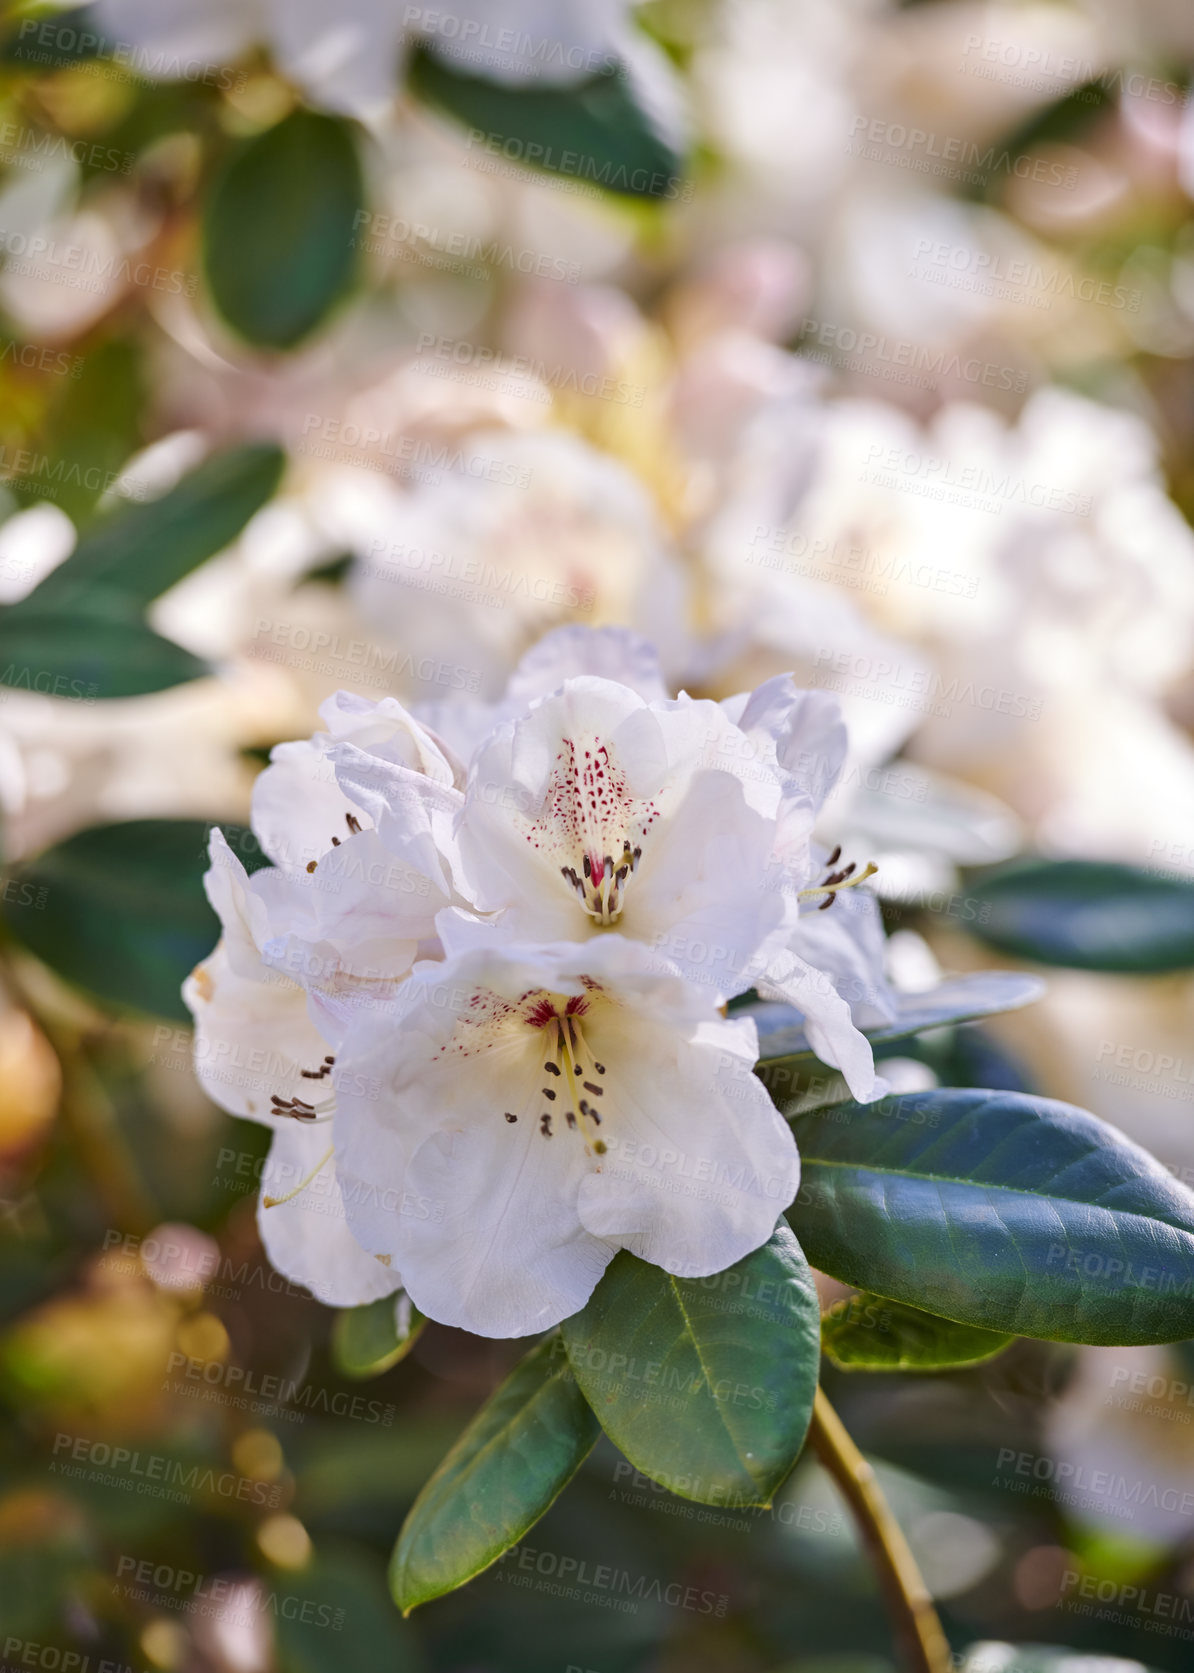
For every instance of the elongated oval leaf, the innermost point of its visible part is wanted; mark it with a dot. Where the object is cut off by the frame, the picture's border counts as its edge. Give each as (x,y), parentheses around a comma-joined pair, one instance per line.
(516,1456)
(83,658)
(139,551)
(706,1384)
(782,1039)
(594,131)
(279,228)
(1014,1213)
(120,910)
(367,1340)
(869,1333)
(1088,915)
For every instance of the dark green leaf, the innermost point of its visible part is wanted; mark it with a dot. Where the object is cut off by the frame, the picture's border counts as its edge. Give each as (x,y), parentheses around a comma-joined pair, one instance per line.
(869,1333)
(280,227)
(593,131)
(997,1209)
(81,657)
(706,1384)
(519,1452)
(120,910)
(367,1340)
(1088,915)
(140,550)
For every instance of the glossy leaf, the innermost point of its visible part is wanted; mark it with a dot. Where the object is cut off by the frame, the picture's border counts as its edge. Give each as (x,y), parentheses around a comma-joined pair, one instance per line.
(516,1456)
(595,132)
(137,552)
(367,1340)
(1088,915)
(84,658)
(280,228)
(869,1333)
(1014,1213)
(706,1384)
(120,910)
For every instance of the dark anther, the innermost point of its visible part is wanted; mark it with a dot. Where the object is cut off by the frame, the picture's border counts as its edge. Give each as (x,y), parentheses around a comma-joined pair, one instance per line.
(552,1068)
(548,1093)
(597,1091)
(835,856)
(510,1117)
(353,823)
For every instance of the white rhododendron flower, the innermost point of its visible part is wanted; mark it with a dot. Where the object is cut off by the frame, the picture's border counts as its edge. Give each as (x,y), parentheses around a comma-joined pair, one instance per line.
(335,917)
(550,932)
(542,1107)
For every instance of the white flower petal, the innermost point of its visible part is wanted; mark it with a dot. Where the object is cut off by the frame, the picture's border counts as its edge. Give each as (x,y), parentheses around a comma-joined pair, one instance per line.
(701,1165)
(304,1228)
(299,804)
(827,1020)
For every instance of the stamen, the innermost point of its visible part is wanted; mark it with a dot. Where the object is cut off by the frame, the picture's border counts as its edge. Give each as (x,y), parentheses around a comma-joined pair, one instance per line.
(510,1117)
(834,881)
(276,1202)
(353,823)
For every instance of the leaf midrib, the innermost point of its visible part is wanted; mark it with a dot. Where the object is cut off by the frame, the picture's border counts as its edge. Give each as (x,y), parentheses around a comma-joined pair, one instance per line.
(987,1185)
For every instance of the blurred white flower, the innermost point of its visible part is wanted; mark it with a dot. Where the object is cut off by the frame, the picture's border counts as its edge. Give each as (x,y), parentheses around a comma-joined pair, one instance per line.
(348,59)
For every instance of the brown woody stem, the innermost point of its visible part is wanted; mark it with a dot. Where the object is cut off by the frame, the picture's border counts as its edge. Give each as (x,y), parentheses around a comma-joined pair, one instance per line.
(917,1628)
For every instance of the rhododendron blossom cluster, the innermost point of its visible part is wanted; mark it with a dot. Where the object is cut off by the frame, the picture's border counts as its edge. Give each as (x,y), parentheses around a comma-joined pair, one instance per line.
(489,968)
